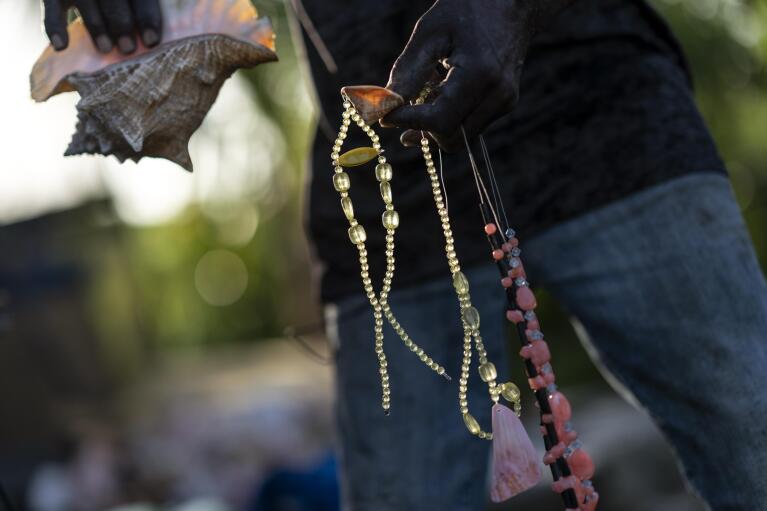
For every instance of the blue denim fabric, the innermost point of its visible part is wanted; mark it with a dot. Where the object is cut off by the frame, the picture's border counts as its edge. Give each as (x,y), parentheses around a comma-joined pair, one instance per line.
(666,285)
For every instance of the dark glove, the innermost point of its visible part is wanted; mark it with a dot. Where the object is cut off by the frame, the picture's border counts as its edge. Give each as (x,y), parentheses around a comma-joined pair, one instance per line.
(109,22)
(482,45)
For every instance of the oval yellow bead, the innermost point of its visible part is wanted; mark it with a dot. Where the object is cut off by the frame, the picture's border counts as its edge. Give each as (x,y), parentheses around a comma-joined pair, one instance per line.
(386,192)
(471,423)
(341,182)
(461,283)
(348,207)
(471,316)
(357,234)
(390,219)
(510,392)
(357,156)
(384,172)
(487,372)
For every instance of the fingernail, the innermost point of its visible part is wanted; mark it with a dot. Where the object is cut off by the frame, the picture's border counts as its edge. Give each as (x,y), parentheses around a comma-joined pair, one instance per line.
(103,43)
(150,37)
(57,41)
(126,44)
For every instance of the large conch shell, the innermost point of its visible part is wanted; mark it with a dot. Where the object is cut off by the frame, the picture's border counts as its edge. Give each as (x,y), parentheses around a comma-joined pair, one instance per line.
(151,102)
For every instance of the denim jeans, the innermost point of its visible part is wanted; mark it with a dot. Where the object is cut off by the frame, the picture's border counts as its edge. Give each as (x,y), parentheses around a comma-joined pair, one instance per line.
(666,285)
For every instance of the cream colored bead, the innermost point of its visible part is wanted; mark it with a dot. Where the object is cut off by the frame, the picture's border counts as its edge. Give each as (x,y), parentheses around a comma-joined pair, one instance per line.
(488,372)
(341,181)
(471,316)
(390,219)
(471,423)
(348,208)
(386,192)
(461,283)
(357,234)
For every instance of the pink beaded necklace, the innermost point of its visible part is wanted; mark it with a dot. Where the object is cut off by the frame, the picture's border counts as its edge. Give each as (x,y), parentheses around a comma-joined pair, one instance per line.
(515,468)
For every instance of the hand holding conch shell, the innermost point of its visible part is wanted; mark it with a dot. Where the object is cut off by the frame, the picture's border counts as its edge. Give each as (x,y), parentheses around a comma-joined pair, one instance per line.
(110,23)
(150,103)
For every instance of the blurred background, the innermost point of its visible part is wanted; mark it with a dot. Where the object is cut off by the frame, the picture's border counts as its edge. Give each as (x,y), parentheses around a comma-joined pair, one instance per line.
(147,316)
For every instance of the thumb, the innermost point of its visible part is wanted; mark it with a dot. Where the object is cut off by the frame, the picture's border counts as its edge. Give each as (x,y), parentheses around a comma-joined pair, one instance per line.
(417,62)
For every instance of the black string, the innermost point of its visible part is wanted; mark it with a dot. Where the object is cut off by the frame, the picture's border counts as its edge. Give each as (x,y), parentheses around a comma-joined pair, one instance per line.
(494,184)
(291,333)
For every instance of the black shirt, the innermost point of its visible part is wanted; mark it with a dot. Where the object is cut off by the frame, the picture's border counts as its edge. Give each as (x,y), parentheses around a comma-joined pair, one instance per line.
(605,110)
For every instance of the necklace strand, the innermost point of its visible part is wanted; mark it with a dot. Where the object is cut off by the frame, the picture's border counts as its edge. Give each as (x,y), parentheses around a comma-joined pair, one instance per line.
(357,235)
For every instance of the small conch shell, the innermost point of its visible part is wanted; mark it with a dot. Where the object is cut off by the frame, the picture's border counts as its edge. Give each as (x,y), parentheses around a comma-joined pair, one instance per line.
(515,463)
(372,102)
(151,102)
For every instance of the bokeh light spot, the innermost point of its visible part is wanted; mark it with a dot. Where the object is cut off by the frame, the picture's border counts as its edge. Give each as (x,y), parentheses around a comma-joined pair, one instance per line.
(221,277)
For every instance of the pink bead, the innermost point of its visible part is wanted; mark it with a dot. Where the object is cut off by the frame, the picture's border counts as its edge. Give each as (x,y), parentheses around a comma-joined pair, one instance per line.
(536,383)
(519,271)
(533,325)
(537,352)
(507,247)
(566,483)
(514,242)
(497,254)
(591,502)
(549,378)
(514,316)
(581,464)
(490,229)
(555,452)
(560,407)
(565,436)
(507,282)
(581,492)
(526,299)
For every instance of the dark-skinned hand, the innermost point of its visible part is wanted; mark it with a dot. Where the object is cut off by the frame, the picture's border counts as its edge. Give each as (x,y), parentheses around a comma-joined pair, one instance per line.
(110,22)
(481,46)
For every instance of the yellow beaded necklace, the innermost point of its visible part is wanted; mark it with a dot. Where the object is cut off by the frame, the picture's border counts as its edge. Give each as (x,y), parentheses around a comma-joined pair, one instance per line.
(379,302)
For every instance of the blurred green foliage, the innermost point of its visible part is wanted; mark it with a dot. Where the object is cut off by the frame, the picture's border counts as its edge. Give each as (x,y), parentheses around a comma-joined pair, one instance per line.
(727,48)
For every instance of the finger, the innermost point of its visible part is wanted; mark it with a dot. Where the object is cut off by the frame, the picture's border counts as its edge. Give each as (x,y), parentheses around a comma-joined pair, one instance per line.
(458,96)
(410,138)
(487,112)
(119,21)
(148,20)
(56,24)
(416,64)
(94,22)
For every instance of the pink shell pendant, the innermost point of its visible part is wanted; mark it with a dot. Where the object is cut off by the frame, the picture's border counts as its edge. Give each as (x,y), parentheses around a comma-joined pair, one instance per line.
(516,467)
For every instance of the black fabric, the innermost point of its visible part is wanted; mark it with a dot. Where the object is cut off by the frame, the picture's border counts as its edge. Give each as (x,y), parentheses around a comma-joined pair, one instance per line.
(605,110)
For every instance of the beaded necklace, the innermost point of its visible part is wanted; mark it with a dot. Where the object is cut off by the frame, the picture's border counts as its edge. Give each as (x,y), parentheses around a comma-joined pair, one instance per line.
(514,466)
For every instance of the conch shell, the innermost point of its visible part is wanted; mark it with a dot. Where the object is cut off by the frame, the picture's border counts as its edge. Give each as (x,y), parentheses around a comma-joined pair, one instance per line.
(372,102)
(151,102)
